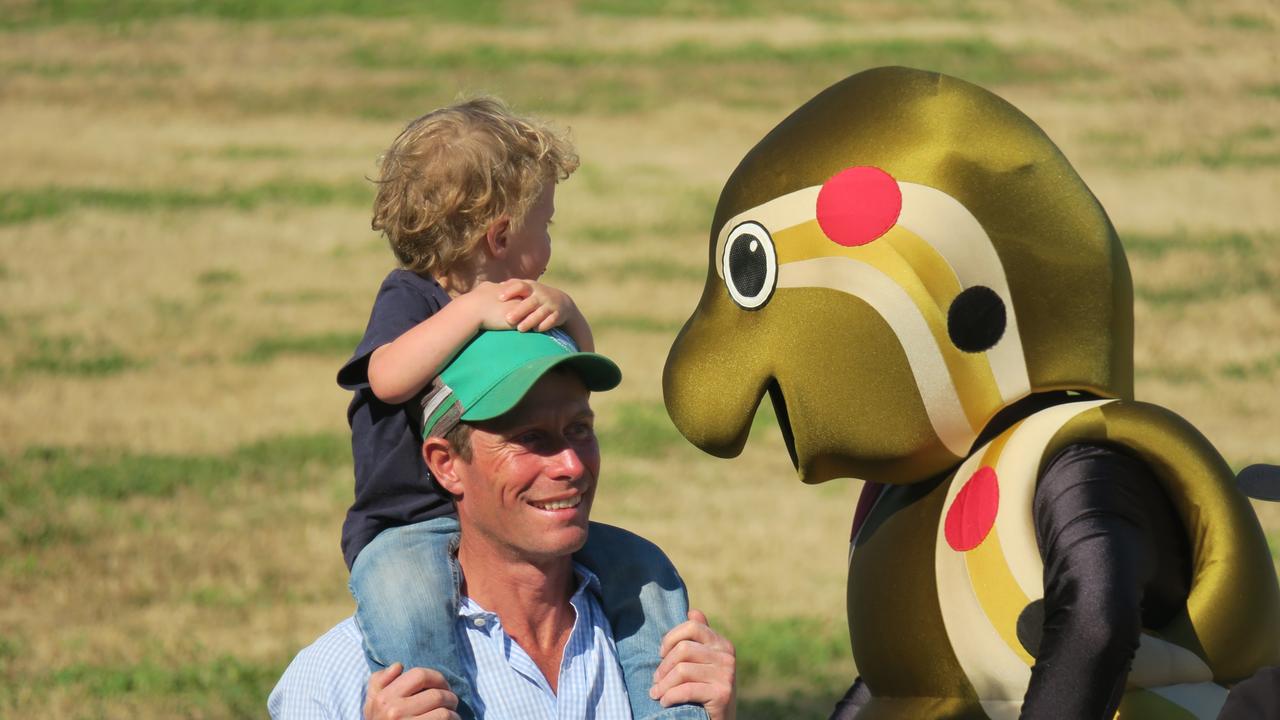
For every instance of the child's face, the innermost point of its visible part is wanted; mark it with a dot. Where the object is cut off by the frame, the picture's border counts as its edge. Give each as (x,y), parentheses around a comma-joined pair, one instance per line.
(529,248)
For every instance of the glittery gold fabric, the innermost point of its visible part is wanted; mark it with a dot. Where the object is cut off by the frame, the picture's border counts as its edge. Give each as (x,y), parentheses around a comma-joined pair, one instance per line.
(852,344)
(856,409)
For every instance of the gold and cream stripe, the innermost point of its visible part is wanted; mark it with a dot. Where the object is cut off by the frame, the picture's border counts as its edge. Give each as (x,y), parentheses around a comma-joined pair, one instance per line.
(909,277)
(984,590)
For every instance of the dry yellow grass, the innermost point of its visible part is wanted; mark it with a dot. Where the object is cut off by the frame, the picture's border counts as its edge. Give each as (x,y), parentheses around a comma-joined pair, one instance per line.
(153,236)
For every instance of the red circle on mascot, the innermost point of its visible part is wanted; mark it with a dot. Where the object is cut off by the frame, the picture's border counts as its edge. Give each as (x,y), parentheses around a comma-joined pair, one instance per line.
(858,205)
(973,512)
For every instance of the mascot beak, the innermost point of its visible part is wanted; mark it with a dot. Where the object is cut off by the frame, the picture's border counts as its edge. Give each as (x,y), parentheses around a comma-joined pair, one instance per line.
(712,386)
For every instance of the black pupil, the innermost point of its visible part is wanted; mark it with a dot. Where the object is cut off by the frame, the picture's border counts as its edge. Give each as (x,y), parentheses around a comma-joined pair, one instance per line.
(747,265)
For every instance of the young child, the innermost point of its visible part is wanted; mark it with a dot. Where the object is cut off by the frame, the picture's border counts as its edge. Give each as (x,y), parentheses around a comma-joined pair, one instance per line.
(465,198)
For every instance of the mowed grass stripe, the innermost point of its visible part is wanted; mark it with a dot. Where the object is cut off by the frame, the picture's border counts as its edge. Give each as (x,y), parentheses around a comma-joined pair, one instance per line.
(21,205)
(644,430)
(25,15)
(224,686)
(334,344)
(72,355)
(1265,368)
(1217,286)
(769,648)
(636,323)
(976,59)
(1158,245)
(769,652)
(47,474)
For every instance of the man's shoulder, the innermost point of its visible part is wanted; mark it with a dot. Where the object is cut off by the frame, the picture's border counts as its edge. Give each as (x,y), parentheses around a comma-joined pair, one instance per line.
(326,679)
(612,552)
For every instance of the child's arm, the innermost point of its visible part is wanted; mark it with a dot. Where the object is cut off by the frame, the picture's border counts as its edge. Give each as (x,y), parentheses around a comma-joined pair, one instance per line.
(543,307)
(402,367)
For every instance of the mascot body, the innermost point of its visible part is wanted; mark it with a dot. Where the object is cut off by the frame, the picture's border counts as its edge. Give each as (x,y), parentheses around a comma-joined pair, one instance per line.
(936,304)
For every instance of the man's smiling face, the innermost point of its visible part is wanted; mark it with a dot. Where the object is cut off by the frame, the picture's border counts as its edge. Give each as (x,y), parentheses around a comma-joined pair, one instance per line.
(528,487)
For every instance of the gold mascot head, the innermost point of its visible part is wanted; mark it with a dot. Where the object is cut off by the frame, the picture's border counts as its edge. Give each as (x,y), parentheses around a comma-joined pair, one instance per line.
(898,260)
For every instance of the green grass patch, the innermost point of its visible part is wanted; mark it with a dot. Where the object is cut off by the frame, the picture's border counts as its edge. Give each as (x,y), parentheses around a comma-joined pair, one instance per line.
(1261,369)
(256,152)
(656,269)
(34,533)
(333,344)
(1242,21)
(571,80)
(1158,245)
(218,277)
(1215,287)
(150,70)
(99,12)
(24,205)
(1104,6)
(1245,148)
(976,59)
(643,429)
(636,323)
(604,234)
(237,686)
(696,9)
(299,297)
(638,429)
(73,355)
(822,10)
(1174,375)
(816,705)
(1167,91)
(52,474)
(67,473)
(1268,91)
(792,656)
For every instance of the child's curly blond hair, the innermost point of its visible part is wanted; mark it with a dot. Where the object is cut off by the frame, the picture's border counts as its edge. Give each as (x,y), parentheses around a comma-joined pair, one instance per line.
(456,170)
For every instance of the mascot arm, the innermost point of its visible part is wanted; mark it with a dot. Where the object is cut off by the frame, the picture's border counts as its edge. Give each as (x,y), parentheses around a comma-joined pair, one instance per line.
(1115,559)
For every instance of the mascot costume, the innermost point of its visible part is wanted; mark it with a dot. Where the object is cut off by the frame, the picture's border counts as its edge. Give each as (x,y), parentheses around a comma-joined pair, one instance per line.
(936,303)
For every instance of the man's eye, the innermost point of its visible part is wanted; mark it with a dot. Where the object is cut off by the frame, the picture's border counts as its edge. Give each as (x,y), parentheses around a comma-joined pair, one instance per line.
(581,430)
(531,437)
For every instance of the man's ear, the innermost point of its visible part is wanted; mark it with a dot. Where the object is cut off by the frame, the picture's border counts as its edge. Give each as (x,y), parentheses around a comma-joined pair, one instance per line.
(442,462)
(495,237)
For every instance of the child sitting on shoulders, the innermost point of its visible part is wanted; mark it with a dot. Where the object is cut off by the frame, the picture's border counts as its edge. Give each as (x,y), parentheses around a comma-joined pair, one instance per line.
(465,198)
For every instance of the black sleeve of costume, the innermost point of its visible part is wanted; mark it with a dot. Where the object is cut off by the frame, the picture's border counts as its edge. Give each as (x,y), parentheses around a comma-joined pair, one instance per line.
(1116,559)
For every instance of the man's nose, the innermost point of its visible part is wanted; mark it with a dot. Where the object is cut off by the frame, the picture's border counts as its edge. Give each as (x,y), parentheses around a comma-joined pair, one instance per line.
(566,463)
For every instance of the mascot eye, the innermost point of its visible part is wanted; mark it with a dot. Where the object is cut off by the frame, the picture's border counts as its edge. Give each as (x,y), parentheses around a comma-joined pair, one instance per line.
(750,265)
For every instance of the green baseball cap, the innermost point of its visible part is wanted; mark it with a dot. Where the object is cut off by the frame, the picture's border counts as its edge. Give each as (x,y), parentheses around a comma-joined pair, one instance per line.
(493,372)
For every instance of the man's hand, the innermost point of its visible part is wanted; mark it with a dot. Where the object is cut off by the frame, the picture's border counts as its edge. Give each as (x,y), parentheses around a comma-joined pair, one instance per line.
(541,307)
(421,694)
(698,666)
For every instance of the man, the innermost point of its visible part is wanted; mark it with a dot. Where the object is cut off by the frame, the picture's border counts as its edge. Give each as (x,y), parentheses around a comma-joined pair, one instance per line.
(510,435)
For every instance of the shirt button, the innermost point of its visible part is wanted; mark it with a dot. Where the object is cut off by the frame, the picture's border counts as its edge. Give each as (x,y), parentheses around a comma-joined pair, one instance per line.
(479,622)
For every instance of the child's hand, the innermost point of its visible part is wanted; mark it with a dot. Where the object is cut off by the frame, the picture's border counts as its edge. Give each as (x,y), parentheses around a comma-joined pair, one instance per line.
(491,305)
(540,307)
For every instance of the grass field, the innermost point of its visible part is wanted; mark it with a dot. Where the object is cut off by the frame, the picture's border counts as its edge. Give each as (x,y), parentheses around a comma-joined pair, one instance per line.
(185,260)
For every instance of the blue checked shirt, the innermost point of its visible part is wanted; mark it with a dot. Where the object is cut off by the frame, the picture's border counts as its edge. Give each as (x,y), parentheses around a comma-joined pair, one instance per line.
(327,680)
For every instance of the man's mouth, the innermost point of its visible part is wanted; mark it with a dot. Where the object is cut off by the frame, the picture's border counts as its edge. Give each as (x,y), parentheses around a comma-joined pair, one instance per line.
(569,502)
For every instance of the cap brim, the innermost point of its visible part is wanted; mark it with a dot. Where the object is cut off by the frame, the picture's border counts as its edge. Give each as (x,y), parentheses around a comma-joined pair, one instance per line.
(597,372)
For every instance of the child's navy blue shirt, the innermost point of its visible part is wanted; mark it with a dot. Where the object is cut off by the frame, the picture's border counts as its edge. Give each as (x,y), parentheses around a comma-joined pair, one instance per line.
(393,487)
